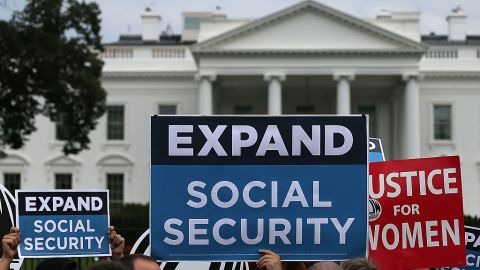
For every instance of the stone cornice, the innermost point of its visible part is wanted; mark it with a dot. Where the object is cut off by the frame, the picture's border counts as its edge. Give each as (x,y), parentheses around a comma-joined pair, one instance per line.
(147,74)
(309,52)
(452,74)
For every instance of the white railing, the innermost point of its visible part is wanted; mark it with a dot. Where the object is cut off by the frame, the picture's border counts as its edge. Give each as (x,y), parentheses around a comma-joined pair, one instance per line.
(168,52)
(442,54)
(152,53)
(117,53)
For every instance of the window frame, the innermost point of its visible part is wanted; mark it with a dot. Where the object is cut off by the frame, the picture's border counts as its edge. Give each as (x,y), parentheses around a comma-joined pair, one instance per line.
(431,125)
(111,201)
(4,179)
(55,174)
(158,105)
(124,122)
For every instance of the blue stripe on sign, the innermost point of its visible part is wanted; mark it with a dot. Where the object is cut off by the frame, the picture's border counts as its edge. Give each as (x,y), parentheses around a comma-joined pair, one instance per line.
(343,185)
(50,241)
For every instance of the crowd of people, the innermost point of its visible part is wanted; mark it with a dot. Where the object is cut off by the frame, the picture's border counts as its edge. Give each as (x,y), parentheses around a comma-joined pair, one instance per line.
(269,260)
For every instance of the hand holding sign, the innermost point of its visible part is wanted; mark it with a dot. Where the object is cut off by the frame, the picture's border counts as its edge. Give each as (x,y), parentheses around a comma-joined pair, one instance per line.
(10,243)
(117,243)
(269,261)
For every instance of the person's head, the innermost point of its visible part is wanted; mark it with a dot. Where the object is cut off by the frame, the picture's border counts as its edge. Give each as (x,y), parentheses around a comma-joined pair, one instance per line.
(57,263)
(358,264)
(107,265)
(325,266)
(140,262)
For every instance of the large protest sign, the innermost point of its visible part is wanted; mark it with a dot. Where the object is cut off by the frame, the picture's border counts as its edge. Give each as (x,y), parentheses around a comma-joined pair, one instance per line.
(375,150)
(419,215)
(472,240)
(223,187)
(63,223)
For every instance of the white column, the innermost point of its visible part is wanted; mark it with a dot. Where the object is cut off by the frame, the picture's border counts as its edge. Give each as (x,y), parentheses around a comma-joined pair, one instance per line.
(343,92)
(274,93)
(205,93)
(411,132)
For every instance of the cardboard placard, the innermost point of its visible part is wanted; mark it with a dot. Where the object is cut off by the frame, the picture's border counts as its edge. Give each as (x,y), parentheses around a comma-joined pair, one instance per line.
(63,223)
(223,187)
(418,218)
(375,150)
(472,240)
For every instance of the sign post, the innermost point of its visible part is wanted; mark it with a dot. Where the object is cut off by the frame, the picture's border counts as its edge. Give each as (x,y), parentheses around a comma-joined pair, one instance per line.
(224,187)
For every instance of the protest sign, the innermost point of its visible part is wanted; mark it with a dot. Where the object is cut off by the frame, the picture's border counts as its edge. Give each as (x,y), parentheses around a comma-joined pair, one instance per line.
(63,223)
(419,221)
(224,187)
(472,240)
(375,150)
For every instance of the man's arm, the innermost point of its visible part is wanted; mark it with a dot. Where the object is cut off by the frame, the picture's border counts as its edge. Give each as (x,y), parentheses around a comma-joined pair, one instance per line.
(10,243)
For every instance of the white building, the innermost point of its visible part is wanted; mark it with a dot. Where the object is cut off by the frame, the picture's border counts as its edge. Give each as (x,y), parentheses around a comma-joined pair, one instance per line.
(422,92)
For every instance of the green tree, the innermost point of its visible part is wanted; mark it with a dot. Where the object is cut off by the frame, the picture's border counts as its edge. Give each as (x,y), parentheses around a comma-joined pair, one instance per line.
(49,65)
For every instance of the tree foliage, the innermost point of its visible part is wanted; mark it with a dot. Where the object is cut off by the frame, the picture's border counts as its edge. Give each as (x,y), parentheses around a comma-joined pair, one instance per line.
(49,65)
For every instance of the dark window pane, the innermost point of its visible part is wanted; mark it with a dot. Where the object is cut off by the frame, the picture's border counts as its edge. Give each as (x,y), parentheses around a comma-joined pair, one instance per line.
(372,118)
(115,122)
(442,121)
(243,109)
(60,128)
(63,181)
(115,186)
(192,23)
(11,181)
(305,109)
(167,109)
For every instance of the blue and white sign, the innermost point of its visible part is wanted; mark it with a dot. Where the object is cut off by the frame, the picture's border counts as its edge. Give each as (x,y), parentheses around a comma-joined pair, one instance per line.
(224,187)
(63,223)
(472,241)
(375,150)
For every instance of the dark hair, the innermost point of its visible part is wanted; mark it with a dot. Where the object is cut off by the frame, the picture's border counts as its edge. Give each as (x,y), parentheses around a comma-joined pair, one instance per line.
(57,263)
(107,265)
(358,264)
(130,259)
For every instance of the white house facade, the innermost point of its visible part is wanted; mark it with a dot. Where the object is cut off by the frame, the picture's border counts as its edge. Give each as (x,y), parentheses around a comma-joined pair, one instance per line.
(422,92)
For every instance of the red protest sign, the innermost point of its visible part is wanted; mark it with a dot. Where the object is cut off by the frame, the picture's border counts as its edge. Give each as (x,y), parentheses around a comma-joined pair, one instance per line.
(416,213)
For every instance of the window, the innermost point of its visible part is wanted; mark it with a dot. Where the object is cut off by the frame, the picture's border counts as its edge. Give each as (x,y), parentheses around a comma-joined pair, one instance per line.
(167,109)
(115,122)
(192,23)
(12,181)
(305,109)
(442,122)
(115,186)
(372,118)
(243,109)
(63,181)
(60,128)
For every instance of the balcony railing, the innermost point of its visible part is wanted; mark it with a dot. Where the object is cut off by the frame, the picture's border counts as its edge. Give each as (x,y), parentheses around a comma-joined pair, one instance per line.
(168,52)
(442,54)
(117,53)
(179,53)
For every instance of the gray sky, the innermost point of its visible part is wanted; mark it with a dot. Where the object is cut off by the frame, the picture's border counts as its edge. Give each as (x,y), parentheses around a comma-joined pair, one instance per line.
(118,16)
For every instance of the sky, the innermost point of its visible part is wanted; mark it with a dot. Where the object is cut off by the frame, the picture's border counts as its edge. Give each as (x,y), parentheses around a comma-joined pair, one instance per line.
(123,16)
